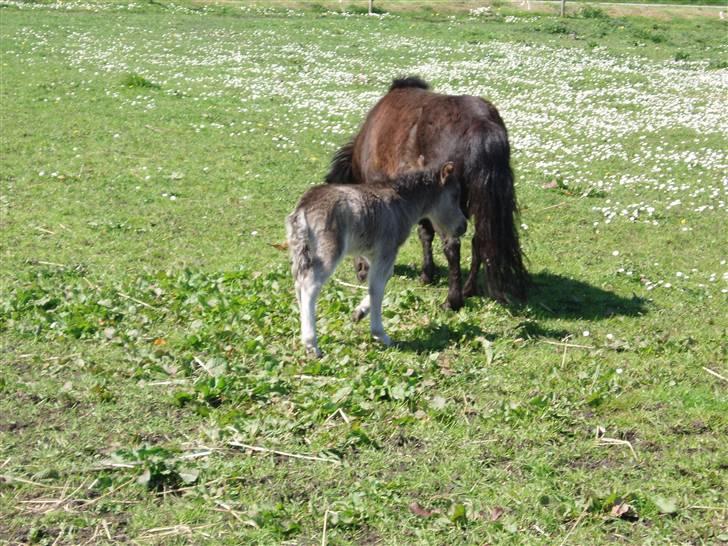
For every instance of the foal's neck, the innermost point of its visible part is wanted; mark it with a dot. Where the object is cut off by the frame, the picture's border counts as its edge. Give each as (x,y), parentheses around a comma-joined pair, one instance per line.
(415,184)
(416,191)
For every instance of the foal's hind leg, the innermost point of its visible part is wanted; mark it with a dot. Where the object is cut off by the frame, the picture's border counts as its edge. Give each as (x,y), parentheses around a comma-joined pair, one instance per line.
(427,233)
(362,310)
(379,273)
(471,284)
(454,292)
(310,287)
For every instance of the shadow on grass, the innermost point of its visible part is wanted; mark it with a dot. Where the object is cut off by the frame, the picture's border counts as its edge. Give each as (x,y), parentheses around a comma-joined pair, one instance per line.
(413,272)
(551,296)
(438,336)
(555,296)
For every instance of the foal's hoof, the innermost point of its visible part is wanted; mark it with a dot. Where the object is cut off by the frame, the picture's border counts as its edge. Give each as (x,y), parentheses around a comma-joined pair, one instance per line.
(383,338)
(314,351)
(358,314)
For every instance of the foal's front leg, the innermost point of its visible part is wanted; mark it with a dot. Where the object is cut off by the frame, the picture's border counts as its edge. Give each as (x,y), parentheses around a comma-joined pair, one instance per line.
(454,291)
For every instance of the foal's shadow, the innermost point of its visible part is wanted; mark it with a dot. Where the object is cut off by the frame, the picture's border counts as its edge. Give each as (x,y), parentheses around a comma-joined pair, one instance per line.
(438,336)
(413,272)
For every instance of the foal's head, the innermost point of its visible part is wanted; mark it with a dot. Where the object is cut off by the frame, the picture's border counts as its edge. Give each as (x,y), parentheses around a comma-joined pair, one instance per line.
(446,212)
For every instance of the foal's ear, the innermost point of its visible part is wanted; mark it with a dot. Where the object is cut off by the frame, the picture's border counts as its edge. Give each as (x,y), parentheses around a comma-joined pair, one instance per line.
(446,171)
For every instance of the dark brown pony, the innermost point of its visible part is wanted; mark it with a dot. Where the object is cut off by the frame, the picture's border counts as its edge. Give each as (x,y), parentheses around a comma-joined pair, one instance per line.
(414,128)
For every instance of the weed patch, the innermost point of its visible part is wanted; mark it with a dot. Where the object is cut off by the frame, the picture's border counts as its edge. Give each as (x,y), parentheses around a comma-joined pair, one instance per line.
(137,81)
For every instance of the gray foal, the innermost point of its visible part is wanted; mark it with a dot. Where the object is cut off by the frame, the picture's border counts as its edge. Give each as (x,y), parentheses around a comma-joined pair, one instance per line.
(373,220)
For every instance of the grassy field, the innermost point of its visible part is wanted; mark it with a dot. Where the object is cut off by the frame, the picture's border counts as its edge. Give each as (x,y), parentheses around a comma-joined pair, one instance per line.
(152,387)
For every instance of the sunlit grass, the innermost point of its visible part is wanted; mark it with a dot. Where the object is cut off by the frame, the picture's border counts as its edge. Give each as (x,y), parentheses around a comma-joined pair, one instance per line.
(150,153)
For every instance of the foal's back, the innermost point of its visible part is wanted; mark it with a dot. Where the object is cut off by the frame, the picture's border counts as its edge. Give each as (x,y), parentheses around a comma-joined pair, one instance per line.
(351,219)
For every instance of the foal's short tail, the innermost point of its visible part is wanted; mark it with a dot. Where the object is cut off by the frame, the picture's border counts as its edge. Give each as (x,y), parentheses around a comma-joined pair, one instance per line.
(298,243)
(492,203)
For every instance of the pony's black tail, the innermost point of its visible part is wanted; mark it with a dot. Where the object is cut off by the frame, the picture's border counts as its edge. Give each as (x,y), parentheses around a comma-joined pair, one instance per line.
(341,168)
(492,203)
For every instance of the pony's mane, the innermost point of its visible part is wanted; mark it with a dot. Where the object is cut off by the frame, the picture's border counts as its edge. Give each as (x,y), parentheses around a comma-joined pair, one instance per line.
(409,81)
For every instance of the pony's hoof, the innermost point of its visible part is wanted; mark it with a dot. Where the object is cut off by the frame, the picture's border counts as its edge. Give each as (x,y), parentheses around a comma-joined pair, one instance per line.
(361,266)
(470,291)
(358,314)
(383,338)
(427,278)
(452,305)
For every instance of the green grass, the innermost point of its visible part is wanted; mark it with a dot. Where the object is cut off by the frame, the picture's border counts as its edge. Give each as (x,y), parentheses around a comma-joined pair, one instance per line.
(149,155)
(667,2)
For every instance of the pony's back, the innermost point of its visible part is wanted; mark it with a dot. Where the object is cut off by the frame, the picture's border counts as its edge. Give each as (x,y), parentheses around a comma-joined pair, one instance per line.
(414,128)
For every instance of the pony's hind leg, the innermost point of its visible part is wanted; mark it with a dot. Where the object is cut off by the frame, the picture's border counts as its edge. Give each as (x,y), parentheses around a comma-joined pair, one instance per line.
(361,267)
(471,284)
(455,290)
(427,233)
(379,274)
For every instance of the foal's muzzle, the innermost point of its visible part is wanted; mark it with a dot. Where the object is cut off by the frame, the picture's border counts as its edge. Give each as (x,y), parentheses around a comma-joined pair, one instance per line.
(462,228)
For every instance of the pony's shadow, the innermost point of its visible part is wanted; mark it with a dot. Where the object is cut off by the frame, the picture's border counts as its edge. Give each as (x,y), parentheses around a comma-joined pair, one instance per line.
(555,296)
